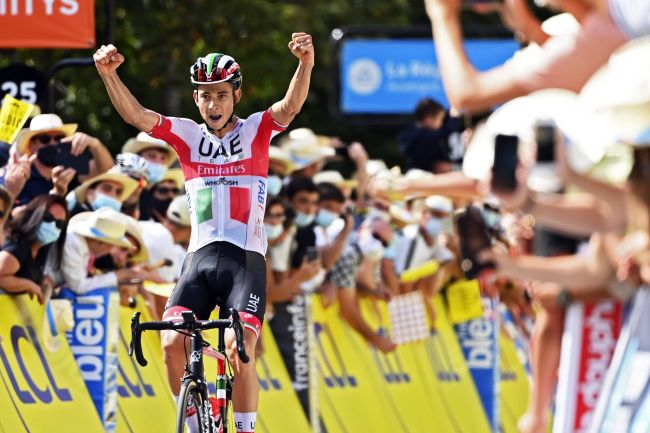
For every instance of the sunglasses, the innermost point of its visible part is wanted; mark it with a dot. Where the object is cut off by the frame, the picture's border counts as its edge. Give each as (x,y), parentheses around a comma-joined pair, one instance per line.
(48,218)
(48,138)
(164,190)
(276,216)
(380,239)
(2,214)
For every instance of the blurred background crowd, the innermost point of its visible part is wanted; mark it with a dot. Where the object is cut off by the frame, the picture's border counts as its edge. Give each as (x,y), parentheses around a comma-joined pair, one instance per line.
(544,199)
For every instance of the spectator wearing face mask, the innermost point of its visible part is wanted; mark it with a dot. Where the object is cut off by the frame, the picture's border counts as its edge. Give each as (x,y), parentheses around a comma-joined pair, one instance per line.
(157,153)
(109,190)
(368,247)
(333,224)
(38,228)
(137,168)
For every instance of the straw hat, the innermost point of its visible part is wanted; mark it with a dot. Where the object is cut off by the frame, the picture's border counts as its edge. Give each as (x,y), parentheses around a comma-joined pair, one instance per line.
(334,177)
(620,90)
(104,225)
(178,212)
(129,185)
(439,203)
(305,148)
(41,124)
(144,141)
(134,230)
(176,176)
(279,160)
(588,136)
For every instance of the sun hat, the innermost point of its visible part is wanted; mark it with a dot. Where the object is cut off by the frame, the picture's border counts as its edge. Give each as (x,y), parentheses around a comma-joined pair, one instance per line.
(105,225)
(133,229)
(305,148)
(588,136)
(114,175)
(41,124)
(178,212)
(332,176)
(144,141)
(439,203)
(280,161)
(175,175)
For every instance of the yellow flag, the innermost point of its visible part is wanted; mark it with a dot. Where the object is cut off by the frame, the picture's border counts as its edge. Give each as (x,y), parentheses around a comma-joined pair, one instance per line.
(13,115)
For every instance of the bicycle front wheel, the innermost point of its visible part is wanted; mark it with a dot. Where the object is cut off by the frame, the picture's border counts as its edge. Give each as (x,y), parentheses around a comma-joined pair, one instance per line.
(191,401)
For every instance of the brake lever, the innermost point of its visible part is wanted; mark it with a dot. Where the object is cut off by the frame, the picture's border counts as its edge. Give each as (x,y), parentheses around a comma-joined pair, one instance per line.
(239,335)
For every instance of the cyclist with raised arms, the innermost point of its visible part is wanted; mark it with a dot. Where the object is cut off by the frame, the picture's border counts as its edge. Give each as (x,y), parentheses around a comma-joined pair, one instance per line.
(225,162)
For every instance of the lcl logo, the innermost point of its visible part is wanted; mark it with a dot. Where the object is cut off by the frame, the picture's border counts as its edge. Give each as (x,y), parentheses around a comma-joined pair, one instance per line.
(20,340)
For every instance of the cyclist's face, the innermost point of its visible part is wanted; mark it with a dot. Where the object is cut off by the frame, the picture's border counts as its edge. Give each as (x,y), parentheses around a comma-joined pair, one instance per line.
(216,103)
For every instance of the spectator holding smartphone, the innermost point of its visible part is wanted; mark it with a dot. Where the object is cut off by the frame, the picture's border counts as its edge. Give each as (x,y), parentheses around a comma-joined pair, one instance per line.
(38,228)
(49,130)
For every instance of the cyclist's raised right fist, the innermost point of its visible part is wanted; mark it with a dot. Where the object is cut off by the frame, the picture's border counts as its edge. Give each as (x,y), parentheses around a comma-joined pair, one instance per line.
(107,59)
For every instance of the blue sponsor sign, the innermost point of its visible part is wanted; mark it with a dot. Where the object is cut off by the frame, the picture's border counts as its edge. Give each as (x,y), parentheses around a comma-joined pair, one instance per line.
(478,339)
(93,342)
(389,76)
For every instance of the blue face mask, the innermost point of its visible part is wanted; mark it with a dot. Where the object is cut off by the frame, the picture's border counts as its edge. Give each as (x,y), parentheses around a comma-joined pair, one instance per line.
(156,172)
(274,185)
(324,217)
(273,231)
(303,219)
(435,226)
(103,200)
(47,233)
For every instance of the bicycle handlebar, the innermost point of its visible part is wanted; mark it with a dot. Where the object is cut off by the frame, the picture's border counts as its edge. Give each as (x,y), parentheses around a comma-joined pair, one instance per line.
(186,325)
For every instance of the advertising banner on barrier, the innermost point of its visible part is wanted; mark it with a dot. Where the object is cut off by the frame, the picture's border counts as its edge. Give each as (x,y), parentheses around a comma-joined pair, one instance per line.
(47,24)
(590,334)
(142,391)
(93,342)
(39,389)
(624,403)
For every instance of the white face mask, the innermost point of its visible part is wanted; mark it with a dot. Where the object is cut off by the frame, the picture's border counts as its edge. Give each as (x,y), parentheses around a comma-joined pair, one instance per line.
(435,226)
(325,218)
(156,172)
(273,185)
(303,219)
(273,231)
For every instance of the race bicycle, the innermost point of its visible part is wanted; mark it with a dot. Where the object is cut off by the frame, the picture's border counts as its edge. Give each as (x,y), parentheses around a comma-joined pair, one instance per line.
(194,395)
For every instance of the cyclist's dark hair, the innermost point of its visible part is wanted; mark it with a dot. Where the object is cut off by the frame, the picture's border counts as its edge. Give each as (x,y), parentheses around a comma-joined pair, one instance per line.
(23,228)
(300,184)
(427,107)
(329,191)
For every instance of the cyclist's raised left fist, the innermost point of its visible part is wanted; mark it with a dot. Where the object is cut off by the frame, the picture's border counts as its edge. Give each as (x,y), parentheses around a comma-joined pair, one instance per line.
(107,59)
(301,45)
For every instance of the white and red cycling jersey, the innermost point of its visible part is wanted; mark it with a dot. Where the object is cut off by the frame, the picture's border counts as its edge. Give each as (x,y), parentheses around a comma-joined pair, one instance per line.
(225,178)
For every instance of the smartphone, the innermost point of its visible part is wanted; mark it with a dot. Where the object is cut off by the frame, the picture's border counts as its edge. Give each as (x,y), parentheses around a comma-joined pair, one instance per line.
(474,238)
(545,138)
(506,160)
(61,154)
(342,151)
(311,253)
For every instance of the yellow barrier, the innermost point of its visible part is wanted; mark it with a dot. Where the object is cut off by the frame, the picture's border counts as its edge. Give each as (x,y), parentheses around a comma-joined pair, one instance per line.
(514,385)
(144,400)
(39,389)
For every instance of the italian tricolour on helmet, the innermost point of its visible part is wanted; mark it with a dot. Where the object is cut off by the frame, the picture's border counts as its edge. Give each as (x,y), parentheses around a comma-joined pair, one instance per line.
(216,68)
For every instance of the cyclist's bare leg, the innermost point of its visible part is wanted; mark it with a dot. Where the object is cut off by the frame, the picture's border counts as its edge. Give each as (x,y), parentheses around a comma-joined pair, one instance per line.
(174,355)
(245,395)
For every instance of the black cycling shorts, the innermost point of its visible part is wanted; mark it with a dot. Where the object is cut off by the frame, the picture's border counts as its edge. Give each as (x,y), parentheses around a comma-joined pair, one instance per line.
(226,275)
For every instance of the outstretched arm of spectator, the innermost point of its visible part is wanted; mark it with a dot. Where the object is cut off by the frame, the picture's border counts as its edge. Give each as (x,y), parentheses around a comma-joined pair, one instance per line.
(332,252)
(574,271)
(285,110)
(467,88)
(453,184)
(359,155)
(352,314)
(107,60)
(10,283)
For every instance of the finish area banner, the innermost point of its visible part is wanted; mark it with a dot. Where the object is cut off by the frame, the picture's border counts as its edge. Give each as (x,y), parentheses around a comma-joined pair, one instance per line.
(47,24)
